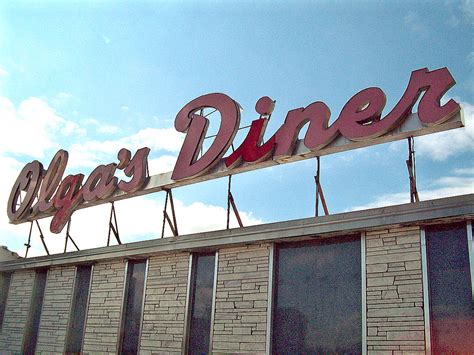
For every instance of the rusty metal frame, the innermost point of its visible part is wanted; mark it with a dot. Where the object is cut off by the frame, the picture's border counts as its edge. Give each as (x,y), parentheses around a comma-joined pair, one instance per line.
(68,236)
(113,228)
(28,244)
(166,218)
(231,203)
(319,190)
(411,165)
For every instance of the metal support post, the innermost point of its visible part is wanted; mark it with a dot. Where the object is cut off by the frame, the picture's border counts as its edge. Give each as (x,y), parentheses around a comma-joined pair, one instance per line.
(411,165)
(68,236)
(113,227)
(231,203)
(319,190)
(28,245)
(166,218)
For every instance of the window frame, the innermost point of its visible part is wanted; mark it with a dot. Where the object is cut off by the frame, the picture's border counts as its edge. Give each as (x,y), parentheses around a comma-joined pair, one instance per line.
(27,330)
(72,305)
(123,307)
(425,271)
(272,286)
(190,295)
(5,275)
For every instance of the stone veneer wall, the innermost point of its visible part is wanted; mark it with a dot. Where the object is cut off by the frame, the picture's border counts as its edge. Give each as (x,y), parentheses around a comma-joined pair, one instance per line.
(240,320)
(56,310)
(165,304)
(395,322)
(16,312)
(105,302)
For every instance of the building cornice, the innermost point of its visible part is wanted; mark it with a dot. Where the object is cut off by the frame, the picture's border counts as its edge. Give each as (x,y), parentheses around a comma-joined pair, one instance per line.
(422,213)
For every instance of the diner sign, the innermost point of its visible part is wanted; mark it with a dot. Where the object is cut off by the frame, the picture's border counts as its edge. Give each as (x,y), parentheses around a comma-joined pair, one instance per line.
(39,193)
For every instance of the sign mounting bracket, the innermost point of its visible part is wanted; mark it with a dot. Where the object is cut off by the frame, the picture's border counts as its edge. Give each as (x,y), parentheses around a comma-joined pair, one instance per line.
(231,203)
(68,236)
(166,218)
(411,165)
(319,189)
(28,245)
(113,226)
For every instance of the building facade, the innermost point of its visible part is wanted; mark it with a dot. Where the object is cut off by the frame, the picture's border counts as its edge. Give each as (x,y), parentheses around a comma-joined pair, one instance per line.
(390,280)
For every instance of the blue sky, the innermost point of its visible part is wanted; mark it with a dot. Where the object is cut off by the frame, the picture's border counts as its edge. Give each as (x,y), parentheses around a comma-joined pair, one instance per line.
(92,77)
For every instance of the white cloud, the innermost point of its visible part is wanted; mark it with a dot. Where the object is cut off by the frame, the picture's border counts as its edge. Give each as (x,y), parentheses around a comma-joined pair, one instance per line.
(64,95)
(442,187)
(33,122)
(415,23)
(100,127)
(443,145)
(93,153)
(162,164)
(467,9)
(3,72)
(138,218)
(464,171)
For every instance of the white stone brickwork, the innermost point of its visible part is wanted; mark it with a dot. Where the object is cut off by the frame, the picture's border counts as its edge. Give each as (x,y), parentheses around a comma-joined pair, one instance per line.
(16,312)
(240,320)
(103,317)
(56,310)
(395,322)
(165,304)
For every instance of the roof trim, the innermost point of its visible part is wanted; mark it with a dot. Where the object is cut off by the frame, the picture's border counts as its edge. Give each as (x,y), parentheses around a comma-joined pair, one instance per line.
(424,212)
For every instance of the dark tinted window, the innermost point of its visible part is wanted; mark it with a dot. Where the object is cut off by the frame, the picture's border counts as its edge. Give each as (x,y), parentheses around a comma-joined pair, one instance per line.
(4,287)
(318,302)
(34,316)
(133,306)
(77,319)
(451,303)
(202,285)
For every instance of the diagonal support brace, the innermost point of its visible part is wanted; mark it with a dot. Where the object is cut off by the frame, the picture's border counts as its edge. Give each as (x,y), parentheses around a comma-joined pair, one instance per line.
(166,218)
(113,226)
(231,203)
(411,165)
(68,236)
(28,244)
(319,190)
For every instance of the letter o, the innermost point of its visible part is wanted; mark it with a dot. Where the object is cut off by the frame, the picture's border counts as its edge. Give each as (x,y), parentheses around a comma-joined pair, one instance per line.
(29,181)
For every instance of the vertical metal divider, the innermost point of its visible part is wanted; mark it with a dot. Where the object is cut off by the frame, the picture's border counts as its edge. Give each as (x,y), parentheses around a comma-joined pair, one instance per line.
(2,321)
(426,299)
(214,293)
(71,304)
(271,260)
(122,307)
(142,315)
(363,271)
(42,306)
(184,346)
(87,307)
(470,247)
(29,318)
